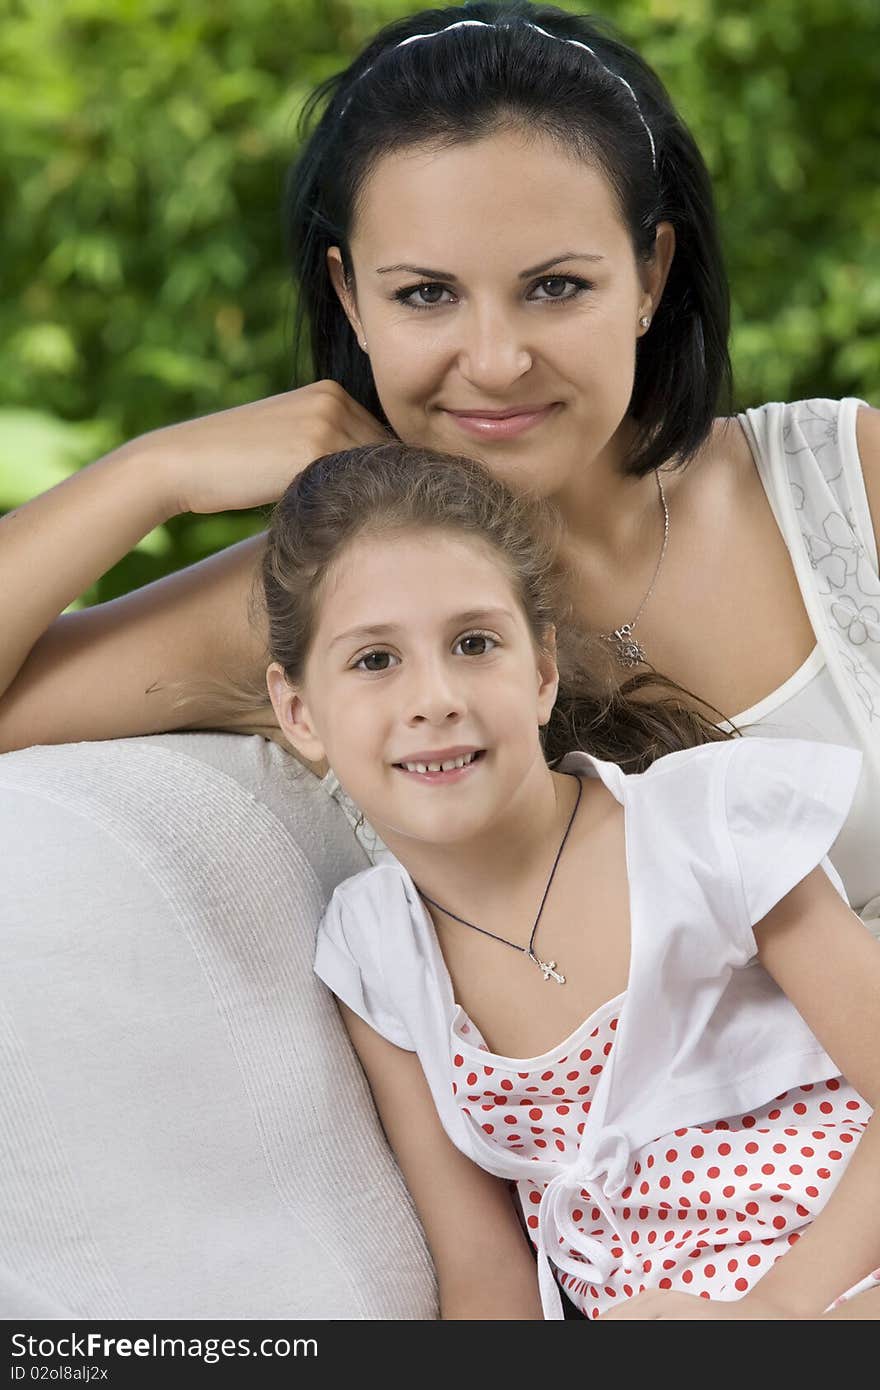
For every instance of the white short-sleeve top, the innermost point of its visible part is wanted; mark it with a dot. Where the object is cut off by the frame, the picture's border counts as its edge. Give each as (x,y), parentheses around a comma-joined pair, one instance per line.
(715,837)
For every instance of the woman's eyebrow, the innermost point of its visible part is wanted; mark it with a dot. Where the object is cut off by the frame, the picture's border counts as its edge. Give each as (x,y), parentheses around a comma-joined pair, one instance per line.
(435,274)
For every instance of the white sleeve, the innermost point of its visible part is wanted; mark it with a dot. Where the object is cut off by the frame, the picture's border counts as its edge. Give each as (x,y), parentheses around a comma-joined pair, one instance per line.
(347,960)
(786,801)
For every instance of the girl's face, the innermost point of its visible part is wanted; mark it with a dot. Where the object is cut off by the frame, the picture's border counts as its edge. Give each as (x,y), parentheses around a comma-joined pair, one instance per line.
(499,294)
(422,655)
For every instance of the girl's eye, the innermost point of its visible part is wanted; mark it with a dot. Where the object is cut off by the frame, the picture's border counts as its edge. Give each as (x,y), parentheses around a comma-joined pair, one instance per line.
(475,644)
(421,296)
(375,661)
(561,287)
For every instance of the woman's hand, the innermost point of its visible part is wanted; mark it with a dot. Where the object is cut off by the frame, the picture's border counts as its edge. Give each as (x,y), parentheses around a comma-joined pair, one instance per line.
(246,456)
(658,1305)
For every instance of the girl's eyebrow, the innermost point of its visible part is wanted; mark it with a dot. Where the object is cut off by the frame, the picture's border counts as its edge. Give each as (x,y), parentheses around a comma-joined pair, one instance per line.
(372,631)
(524,274)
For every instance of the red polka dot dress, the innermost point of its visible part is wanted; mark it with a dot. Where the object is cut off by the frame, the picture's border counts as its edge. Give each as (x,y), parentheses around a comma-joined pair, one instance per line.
(706,1210)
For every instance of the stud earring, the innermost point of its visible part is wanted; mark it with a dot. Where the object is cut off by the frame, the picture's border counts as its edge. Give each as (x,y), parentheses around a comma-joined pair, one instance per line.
(364,344)
(645,320)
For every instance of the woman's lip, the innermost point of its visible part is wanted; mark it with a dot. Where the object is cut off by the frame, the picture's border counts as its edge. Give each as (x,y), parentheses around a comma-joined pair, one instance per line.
(505,426)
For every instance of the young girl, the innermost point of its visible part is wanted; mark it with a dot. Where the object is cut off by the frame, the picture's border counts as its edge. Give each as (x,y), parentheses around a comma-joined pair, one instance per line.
(558,962)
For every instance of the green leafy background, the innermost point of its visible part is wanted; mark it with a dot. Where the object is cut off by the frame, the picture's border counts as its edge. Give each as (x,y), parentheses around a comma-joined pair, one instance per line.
(145,147)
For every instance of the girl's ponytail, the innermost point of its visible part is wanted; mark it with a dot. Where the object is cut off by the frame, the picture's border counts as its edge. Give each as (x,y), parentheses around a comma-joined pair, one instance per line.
(631,724)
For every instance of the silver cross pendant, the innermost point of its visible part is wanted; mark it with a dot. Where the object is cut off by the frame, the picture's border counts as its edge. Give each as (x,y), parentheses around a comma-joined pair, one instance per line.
(548,970)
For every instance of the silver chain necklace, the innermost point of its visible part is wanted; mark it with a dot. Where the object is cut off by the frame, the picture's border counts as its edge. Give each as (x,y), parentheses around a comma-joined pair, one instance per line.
(628,651)
(547,967)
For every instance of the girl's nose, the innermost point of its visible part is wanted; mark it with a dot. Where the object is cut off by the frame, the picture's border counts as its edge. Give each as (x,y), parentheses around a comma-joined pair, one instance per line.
(493,354)
(435,698)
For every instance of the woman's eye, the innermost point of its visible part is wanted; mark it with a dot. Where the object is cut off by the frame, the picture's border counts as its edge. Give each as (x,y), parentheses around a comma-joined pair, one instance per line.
(421,296)
(375,661)
(475,644)
(560,287)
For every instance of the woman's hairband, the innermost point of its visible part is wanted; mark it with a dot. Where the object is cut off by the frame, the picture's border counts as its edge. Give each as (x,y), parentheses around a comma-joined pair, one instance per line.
(527,24)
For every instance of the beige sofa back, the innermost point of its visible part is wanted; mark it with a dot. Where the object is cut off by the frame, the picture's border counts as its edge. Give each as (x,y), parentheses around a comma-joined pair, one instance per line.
(184,1129)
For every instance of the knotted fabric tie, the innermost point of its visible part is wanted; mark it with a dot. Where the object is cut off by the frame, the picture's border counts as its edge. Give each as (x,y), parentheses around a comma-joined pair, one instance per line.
(602,1172)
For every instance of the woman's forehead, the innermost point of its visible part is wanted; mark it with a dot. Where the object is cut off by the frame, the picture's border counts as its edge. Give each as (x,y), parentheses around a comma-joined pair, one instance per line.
(508,193)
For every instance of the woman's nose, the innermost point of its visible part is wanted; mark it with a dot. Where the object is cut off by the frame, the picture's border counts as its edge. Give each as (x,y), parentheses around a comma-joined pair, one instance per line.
(493,354)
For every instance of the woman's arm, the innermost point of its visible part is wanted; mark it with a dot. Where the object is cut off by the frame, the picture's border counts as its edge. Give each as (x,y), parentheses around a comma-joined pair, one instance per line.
(484,1266)
(119,668)
(821,955)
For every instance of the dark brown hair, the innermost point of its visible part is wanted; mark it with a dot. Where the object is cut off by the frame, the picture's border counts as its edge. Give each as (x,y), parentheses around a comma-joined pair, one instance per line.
(397,487)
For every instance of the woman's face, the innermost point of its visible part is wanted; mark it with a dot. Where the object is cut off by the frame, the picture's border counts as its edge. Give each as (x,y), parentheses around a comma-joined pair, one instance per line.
(499,294)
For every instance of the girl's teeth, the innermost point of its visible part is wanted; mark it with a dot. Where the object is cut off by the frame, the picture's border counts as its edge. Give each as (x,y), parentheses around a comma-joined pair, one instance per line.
(441,767)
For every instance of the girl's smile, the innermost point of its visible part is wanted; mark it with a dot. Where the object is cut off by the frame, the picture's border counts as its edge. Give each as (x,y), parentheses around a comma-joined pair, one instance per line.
(441,768)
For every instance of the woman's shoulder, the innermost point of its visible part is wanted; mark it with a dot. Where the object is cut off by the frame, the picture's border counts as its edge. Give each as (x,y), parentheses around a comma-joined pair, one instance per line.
(806,446)
(815,455)
(821,426)
(820,421)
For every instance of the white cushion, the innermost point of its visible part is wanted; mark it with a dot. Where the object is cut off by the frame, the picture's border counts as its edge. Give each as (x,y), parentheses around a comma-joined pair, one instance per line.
(185,1131)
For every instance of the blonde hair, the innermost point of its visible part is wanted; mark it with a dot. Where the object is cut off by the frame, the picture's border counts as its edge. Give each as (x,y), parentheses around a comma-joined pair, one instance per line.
(396,487)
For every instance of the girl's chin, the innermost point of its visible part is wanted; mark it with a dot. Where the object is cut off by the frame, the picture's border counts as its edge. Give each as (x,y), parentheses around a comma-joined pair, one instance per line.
(435,827)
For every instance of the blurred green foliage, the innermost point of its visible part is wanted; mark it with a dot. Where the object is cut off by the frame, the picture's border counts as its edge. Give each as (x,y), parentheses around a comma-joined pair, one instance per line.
(145,147)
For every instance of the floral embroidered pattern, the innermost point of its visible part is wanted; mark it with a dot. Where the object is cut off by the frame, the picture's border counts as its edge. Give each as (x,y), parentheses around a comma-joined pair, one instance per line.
(859,624)
(838,555)
(835,554)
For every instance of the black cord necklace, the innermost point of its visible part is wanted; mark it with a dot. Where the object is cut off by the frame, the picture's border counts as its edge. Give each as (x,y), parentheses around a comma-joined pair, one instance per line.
(547,967)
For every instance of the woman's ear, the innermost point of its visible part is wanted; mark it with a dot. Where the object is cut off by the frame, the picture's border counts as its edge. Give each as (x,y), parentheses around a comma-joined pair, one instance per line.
(655,272)
(293,715)
(344,290)
(548,675)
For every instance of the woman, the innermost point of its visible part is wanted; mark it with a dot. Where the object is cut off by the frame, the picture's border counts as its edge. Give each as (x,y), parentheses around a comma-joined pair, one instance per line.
(505,244)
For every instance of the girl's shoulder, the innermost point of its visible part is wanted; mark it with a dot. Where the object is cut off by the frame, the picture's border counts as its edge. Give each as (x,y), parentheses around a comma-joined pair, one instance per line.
(758,761)
(758,813)
(383,891)
(768,776)
(355,935)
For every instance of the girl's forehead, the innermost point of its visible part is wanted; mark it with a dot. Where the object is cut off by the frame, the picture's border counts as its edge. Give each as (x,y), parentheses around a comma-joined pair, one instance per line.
(415,571)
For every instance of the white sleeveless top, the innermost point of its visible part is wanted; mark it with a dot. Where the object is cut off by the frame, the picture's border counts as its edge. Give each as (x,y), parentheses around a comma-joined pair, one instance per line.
(807,458)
